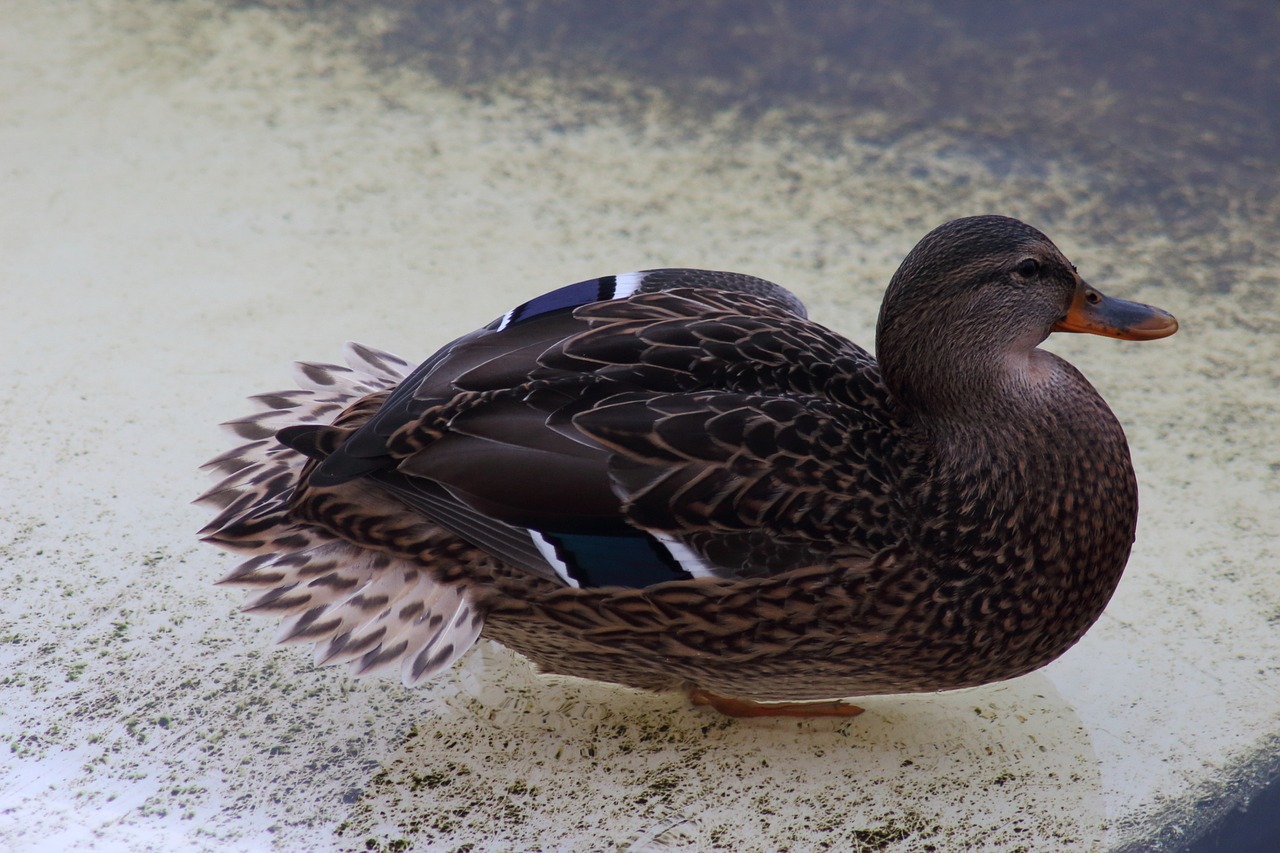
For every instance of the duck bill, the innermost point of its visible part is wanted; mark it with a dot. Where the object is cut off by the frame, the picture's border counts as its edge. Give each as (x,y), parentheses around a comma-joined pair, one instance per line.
(1096,314)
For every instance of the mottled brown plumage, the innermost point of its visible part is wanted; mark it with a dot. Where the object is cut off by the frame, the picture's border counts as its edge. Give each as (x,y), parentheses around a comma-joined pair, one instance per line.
(674,480)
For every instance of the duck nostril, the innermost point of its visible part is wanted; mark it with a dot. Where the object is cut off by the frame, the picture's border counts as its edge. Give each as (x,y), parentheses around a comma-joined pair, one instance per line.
(1093,297)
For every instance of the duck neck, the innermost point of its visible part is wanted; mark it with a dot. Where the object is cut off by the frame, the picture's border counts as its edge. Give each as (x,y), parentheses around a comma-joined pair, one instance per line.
(962,373)
(1031,420)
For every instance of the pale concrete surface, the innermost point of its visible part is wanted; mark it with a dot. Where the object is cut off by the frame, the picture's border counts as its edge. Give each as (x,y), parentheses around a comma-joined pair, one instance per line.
(194,196)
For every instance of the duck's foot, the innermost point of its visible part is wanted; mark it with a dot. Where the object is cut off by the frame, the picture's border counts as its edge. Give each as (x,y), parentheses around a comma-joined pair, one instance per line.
(731,707)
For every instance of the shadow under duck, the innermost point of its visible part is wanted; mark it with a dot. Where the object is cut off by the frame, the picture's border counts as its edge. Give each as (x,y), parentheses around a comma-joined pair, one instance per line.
(673,479)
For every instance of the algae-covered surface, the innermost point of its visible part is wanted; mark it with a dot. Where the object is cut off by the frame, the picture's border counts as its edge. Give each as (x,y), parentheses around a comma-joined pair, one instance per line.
(196,193)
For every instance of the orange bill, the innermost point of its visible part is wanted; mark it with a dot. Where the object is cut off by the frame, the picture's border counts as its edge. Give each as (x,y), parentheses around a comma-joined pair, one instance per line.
(1096,314)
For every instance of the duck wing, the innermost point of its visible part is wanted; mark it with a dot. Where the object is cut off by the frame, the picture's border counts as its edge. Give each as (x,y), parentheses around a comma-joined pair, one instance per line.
(687,424)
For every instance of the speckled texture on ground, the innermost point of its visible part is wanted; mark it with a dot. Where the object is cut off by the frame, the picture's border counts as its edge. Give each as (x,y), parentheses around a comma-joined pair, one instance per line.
(195,195)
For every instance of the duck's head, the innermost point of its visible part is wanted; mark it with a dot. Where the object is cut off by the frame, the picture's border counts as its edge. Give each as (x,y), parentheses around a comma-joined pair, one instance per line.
(967,308)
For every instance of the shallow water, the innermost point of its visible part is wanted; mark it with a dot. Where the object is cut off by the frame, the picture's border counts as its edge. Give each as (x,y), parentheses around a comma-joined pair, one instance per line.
(198,193)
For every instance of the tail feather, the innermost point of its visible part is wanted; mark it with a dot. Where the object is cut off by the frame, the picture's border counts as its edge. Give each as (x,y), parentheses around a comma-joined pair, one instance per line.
(376,363)
(334,382)
(235,459)
(369,610)
(266,424)
(256,571)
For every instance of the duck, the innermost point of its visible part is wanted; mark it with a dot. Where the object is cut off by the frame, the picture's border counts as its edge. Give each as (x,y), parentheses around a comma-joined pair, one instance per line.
(674,480)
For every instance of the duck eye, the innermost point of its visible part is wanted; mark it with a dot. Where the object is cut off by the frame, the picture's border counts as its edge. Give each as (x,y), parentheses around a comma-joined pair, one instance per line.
(1027,267)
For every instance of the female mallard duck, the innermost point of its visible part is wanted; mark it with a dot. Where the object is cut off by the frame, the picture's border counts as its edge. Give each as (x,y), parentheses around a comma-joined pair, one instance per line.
(673,479)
